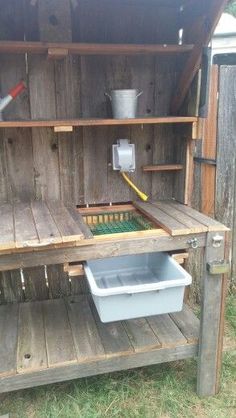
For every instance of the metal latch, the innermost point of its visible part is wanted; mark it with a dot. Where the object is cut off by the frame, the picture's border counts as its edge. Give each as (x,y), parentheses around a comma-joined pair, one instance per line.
(218,267)
(193,242)
(217,240)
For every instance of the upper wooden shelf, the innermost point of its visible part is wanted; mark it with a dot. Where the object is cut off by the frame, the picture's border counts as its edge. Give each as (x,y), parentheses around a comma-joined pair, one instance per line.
(58,50)
(95,122)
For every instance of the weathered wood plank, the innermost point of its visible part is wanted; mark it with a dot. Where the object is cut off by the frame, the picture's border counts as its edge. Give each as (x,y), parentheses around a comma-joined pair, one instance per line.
(8,332)
(167,222)
(78,218)
(208,175)
(25,231)
(113,335)
(59,340)
(188,324)
(11,287)
(7,236)
(212,224)
(31,349)
(124,362)
(210,344)
(98,250)
(86,337)
(166,331)
(141,335)
(47,230)
(35,283)
(58,281)
(190,223)
(69,229)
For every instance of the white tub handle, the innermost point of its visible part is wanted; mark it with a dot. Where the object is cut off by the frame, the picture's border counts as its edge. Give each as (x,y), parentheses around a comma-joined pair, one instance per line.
(139,94)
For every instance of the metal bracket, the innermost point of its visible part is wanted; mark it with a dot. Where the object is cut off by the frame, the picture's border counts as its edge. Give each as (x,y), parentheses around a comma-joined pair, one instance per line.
(201,160)
(193,242)
(217,241)
(218,267)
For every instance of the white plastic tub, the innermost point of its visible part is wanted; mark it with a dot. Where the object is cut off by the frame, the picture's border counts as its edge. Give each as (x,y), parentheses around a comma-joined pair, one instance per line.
(136,285)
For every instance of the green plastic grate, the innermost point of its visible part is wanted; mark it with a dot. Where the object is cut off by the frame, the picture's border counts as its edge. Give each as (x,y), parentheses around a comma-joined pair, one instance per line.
(115,223)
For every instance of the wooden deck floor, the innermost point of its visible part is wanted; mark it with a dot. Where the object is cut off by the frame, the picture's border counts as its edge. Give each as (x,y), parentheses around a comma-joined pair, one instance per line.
(55,340)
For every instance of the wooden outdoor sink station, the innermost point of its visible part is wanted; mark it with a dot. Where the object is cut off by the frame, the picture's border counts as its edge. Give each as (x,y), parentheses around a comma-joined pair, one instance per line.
(62,204)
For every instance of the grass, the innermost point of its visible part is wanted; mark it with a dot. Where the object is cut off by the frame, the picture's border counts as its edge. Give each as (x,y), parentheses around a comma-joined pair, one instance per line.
(160,391)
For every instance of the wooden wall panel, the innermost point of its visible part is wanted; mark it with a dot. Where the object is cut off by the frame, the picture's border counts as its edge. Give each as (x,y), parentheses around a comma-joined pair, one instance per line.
(76,167)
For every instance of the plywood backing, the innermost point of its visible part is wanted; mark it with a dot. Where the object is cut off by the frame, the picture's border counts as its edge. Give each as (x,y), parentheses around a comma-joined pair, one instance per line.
(63,333)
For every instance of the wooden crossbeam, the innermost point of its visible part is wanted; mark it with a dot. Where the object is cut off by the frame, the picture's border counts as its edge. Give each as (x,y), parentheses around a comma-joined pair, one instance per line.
(207,23)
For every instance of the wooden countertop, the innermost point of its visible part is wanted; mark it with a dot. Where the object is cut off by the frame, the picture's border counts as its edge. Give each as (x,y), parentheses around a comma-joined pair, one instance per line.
(38,225)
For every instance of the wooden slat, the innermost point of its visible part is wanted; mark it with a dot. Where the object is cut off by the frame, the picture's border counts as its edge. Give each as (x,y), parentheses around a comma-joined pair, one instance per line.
(25,231)
(86,337)
(95,122)
(31,350)
(211,224)
(68,228)
(8,338)
(20,47)
(188,324)
(141,335)
(167,222)
(113,335)
(186,220)
(99,249)
(167,332)
(78,218)
(7,237)
(208,172)
(163,167)
(46,228)
(59,340)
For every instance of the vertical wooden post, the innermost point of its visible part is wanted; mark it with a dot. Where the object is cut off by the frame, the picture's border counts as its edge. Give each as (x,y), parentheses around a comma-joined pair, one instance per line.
(212,322)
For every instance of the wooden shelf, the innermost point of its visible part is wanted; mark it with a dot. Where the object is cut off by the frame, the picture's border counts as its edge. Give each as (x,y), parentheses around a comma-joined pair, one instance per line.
(163,167)
(57,340)
(95,122)
(58,50)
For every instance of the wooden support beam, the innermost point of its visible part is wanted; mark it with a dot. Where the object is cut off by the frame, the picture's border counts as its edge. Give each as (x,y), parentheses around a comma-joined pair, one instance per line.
(55,48)
(213,11)
(163,167)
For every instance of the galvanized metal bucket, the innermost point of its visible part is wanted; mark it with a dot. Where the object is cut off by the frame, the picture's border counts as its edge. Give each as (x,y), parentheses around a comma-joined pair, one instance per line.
(124,103)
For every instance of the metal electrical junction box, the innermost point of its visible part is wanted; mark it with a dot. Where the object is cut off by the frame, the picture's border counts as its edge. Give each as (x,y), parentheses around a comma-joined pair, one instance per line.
(123,155)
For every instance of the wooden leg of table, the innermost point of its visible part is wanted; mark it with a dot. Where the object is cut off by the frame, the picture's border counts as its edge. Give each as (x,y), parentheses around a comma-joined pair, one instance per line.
(212,322)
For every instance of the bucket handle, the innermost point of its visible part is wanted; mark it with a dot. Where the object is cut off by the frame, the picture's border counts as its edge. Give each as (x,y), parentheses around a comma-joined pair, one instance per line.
(108,95)
(140,93)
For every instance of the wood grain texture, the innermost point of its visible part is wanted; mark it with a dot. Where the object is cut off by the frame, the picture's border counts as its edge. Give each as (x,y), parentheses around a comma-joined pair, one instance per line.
(31,347)
(86,337)
(8,332)
(59,340)
(192,224)
(47,230)
(7,235)
(209,363)
(113,335)
(188,324)
(99,249)
(167,222)
(69,229)
(209,147)
(25,230)
(141,334)
(47,123)
(167,332)
(18,47)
